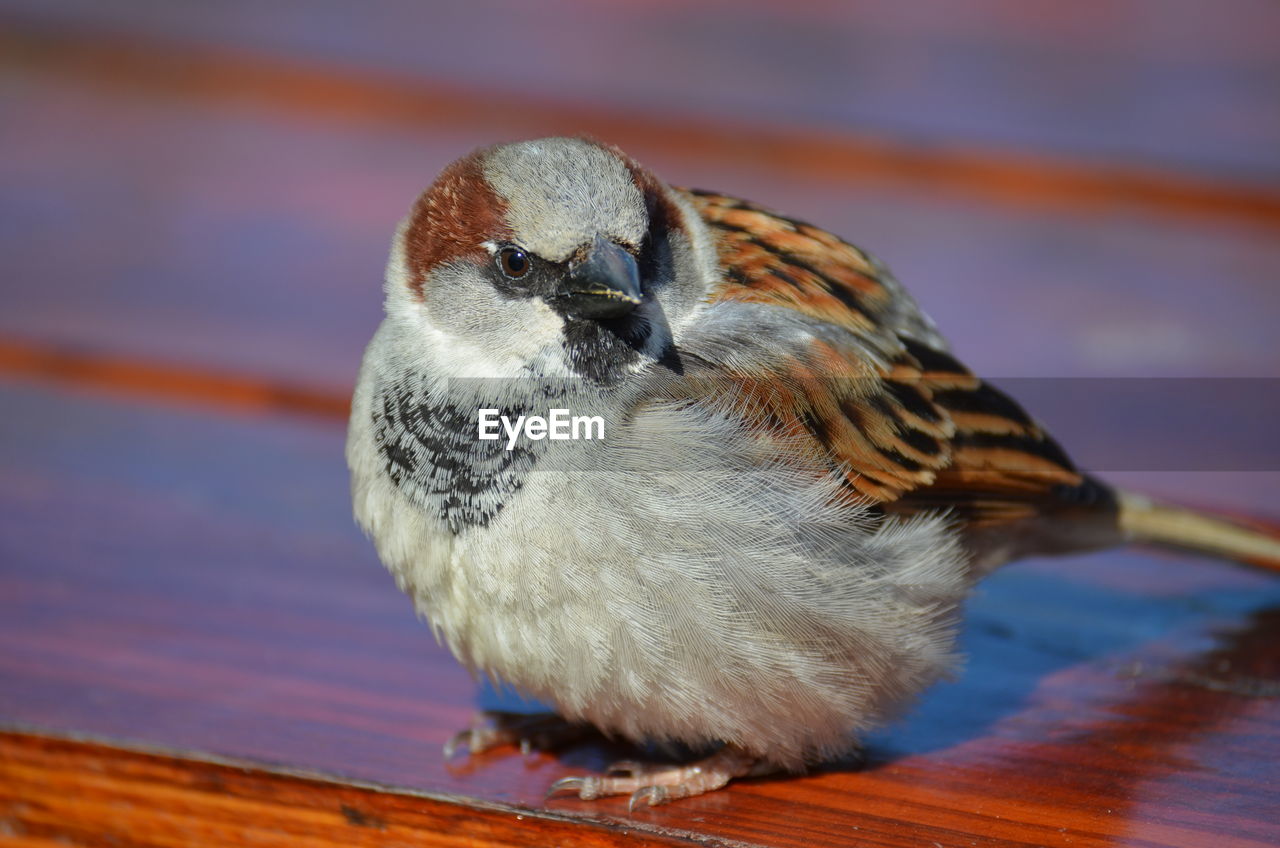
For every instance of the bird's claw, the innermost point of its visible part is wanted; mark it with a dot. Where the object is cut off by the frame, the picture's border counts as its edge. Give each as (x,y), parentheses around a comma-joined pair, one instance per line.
(456,742)
(479,739)
(578,785)
(653,785)
(591,788)
(652,795)
(529,733)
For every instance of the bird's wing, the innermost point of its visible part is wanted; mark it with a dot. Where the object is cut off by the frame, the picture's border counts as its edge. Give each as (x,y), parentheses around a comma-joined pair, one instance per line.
(909,425)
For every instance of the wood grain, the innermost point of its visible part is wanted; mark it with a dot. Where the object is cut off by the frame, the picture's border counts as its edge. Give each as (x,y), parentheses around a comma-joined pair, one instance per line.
(1018,177)
(1182,84)
(198,647)
(192,582)
(240,236)
(182,386)
(77,792)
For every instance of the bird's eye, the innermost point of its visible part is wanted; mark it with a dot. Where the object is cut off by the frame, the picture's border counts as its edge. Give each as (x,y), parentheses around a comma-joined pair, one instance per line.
(514,262)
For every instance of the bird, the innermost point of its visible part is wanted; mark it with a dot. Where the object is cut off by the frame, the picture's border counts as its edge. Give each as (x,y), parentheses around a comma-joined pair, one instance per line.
(795,484)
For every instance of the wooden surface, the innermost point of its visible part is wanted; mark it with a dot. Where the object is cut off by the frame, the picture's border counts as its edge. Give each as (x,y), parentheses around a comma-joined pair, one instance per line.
(198,647)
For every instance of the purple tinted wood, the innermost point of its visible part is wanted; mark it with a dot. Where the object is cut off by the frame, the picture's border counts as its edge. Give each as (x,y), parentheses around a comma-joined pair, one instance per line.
(194,582)
(1181,84)
(220,236)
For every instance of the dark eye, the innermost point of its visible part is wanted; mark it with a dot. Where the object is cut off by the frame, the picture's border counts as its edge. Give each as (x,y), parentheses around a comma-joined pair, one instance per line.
(514,262)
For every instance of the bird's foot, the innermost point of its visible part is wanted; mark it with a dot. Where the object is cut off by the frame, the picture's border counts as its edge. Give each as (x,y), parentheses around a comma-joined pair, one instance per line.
(659,784)
(527,731)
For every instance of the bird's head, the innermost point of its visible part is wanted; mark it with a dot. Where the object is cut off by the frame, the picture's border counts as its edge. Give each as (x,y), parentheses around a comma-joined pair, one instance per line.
(560,255)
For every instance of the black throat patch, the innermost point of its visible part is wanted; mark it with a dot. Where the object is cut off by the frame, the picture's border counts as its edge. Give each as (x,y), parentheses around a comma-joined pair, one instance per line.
(432,453)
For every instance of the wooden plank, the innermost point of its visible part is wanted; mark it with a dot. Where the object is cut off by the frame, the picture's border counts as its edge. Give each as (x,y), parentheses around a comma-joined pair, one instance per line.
(76,792)
(182,386)
(1186,85)
(192,582)
(184,575)
(166,226)
(1006,176)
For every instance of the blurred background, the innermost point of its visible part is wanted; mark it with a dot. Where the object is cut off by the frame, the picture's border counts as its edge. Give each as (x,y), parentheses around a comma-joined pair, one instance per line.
(1070,188)
(197,201)
(1087,189)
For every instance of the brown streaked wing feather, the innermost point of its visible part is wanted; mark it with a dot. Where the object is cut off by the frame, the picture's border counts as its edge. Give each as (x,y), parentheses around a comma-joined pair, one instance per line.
(915,431)
(827,395)
(771,259)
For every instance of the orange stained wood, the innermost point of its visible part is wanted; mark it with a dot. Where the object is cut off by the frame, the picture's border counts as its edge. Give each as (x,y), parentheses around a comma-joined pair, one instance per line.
(61,791)
(164,382)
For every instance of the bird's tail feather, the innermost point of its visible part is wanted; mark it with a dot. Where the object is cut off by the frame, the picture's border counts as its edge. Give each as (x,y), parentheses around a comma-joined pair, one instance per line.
(1143,520)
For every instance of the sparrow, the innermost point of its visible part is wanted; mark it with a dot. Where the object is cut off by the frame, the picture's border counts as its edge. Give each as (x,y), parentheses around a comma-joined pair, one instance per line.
(797,484)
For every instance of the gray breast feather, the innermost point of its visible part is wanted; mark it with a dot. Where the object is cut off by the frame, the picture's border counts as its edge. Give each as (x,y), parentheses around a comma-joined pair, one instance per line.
(683,579)
(684,582)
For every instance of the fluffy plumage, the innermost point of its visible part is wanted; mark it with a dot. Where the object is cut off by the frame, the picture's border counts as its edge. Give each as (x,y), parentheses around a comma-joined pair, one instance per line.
(798,485)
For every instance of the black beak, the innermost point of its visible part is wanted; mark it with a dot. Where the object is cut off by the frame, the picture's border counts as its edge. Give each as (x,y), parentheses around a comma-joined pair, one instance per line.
(604,284)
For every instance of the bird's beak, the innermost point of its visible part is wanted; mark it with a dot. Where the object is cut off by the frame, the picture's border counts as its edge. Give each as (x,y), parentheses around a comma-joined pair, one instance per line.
(603,284)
